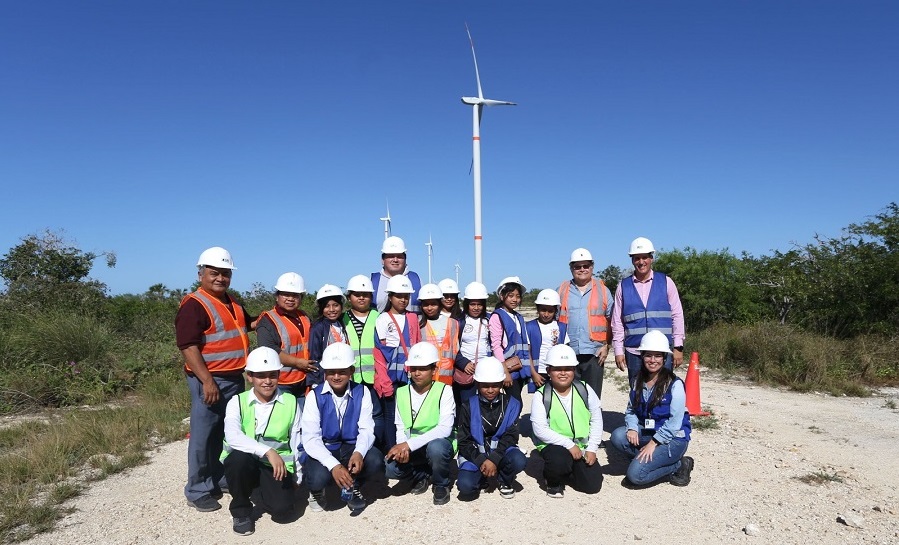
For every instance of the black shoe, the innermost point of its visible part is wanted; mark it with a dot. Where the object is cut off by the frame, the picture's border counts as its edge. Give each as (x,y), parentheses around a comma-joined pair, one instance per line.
(421,485)
(244,525)
(357,502)
(441,495)
(205,504)
(681,477)
(557,491)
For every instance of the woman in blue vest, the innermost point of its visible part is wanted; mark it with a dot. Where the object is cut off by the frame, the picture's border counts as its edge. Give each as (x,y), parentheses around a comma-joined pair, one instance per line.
(327,330)
(657,425)
(509,336)
(488,435)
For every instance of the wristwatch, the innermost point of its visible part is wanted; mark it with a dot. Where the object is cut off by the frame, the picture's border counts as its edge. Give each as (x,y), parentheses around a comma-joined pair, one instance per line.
(681,348)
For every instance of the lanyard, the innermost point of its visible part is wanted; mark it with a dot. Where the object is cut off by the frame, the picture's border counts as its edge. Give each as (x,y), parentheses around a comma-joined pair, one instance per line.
(423,401)
(400,333)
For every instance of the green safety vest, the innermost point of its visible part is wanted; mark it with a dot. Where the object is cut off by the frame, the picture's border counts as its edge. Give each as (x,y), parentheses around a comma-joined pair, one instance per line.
(428,414)
(277,430)
(578,428)
(364,348)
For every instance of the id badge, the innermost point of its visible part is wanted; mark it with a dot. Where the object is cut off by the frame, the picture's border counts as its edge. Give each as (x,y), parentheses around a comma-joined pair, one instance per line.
(649,423)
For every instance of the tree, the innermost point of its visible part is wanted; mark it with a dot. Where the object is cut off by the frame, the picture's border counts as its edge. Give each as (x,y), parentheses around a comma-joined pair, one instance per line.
(612,276)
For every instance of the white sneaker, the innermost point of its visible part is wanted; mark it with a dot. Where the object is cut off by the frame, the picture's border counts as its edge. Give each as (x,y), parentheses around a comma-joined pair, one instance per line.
(317,501)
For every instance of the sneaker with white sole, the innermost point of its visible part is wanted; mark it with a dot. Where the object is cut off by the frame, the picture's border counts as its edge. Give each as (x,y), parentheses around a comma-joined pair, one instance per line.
(506,491)
(317,501)
(244,526)
(357,501)
(557,491)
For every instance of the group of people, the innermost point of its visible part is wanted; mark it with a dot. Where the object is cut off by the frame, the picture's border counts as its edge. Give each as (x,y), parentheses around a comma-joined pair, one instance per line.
(398,379)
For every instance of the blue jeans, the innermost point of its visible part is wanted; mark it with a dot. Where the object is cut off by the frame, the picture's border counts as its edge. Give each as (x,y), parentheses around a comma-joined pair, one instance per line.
(205,473)
(317,476)
(511,464)
(665,458)
(635,362)
(433,460)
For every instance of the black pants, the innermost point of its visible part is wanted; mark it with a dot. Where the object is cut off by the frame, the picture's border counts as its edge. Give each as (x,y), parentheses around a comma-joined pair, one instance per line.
(244,473)
(559,467)
(590,370)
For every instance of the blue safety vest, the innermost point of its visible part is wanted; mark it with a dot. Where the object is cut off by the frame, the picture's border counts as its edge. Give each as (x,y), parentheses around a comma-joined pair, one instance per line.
(639,319)
(660,413)
(516,343)
(513,411)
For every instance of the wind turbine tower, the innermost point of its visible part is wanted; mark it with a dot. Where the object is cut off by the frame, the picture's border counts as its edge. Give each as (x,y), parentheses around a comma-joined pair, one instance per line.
(386,221)
(430,246)
(477,105)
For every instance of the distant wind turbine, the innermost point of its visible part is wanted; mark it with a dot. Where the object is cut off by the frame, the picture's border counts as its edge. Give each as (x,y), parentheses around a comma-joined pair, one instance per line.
(477,105)
(386,221)
(430,246)
(458,268)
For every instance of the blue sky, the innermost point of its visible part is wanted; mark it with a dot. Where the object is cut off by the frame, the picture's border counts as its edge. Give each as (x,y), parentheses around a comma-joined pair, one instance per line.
(279,129)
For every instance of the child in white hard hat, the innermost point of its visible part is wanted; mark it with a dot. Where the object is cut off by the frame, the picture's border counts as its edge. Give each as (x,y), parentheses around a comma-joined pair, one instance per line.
(509,336)
(488,435)
(440,330)
(327,329)
(262,434)
(474,340)
(544,332)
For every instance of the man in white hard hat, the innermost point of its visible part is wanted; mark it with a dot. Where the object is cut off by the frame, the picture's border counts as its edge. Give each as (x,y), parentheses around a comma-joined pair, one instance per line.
(211,332)
(393,259)
(262,430)
(646,301)
(566,418)
(586,306)
(339,433)
(285,329)
(425,413)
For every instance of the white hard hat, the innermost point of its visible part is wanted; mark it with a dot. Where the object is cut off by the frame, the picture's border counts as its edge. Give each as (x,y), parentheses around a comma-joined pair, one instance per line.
(489,370)
(399,284)
(641,245)
(422,354)
(291,282)
(328,290)
(393,245)
(263,359)
(475,290)
(654,341)
(360,282)
(338,356)
(429,291)
(547,297)
(217,257)
(448,286)
(561,355)
(580,254)
(510,280)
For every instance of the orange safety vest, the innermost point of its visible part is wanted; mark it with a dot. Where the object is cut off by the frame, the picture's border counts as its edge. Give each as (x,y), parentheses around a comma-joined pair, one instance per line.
(225,341)
(599,325)
(446,348)
(293,341)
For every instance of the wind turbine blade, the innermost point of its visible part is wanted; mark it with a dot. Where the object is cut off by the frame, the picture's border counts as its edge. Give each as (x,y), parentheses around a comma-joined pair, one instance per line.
(477,74)
(470,166)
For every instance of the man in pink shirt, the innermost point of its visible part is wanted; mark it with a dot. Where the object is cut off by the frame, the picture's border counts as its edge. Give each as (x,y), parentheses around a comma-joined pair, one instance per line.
(646,301)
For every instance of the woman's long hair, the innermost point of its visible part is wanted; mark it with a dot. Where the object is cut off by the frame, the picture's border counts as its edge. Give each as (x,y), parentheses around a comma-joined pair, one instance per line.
(321,303)
(663,384)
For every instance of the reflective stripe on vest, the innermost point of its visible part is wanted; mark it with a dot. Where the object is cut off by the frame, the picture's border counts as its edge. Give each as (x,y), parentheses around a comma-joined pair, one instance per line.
(396,364)
(225,341)
(637,318)
(276,434)
(516,342)
(661,412)
(596,313)
(293,342)
(364,348)
(577,428)
(428,415)
(447,348)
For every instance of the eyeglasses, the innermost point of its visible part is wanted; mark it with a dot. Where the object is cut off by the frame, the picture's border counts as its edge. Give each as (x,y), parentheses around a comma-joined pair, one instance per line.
(579,266)
(650,356)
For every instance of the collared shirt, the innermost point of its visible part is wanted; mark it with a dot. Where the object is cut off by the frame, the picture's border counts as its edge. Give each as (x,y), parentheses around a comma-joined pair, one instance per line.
(267,332)
(579,319)
(672,426)
(540,420)
(312,425)
(444,426)
(677,314)
(238,440)
(380,298)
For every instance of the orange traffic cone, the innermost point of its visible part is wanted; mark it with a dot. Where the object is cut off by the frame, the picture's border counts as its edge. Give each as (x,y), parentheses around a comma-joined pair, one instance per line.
(694,407)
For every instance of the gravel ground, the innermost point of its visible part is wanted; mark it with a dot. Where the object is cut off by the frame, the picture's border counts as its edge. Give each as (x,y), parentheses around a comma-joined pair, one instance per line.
(746,481)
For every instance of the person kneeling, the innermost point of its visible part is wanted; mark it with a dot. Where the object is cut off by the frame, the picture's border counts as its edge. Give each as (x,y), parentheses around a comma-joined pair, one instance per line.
(425,412)
(262,434)
(567,423)
(657,426)
(339,433)
(488,434)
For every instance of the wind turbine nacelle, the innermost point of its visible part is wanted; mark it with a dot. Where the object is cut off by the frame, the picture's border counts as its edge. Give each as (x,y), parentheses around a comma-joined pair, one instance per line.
(473,101)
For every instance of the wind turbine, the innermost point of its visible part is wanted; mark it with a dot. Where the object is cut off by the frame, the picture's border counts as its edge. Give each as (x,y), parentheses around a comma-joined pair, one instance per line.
(430,246)
(386,221)
(458,268)
(477,105)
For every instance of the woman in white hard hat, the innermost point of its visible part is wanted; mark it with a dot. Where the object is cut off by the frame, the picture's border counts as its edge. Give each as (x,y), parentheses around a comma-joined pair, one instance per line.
(474,340)
(509,336)
(396,330)
(450,302)
(488,435)
(327,329)
(440,330)
(544,332)
(657,425)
